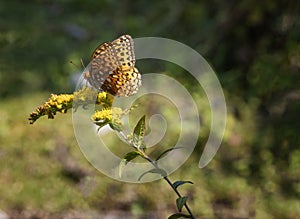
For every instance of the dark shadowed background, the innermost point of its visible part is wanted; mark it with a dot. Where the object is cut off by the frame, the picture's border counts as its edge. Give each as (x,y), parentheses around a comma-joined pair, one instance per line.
(254,48)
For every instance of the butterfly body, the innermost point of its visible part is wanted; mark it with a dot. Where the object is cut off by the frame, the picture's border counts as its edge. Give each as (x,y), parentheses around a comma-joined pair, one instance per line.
(112,68)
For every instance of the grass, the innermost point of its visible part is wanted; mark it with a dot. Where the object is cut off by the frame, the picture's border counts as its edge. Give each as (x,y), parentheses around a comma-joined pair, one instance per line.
(34,178)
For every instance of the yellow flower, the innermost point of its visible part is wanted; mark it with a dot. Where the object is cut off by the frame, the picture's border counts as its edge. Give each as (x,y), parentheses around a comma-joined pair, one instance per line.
(87,95)
(56,103)
(111,116)
(61,103)
(105,99)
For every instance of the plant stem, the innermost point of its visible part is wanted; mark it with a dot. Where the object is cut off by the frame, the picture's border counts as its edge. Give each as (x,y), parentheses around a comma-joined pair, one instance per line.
(168,181)
(146,157)
(178,194)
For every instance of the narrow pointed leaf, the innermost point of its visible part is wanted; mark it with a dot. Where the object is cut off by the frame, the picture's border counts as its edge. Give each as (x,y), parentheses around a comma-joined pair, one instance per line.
(179,215)
(155,170)
(139,132)
(166,151)
(179,183)
(128,157)
(101,123)
(140,127)
(180,202)
(131,155)
(116,126)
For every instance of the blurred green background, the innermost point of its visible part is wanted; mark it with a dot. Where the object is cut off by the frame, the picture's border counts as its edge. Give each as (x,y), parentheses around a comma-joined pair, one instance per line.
(254,48)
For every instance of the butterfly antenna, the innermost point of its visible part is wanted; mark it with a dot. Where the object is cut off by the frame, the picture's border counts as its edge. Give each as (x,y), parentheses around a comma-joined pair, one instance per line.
(74,64)
(82,63)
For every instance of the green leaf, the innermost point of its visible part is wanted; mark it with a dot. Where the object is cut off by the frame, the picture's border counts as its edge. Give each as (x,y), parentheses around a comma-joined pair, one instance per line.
(166,151)
(179,215)
(180,202)
(179,183)
(139,132)
(128,157)
(162,172)
(116,125)
(131,155)
(101,123)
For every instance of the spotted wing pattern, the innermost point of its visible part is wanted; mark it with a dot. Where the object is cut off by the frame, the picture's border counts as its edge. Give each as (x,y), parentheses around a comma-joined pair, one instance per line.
(112,68)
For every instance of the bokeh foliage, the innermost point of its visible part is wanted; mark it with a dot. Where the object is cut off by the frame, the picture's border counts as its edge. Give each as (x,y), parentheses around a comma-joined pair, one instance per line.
(252,45)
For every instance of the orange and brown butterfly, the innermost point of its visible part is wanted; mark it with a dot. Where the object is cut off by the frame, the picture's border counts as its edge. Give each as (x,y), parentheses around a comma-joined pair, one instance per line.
(112,68)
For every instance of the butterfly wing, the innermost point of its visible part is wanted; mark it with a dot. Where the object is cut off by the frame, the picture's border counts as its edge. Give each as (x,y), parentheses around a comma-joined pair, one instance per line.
(102,64)
(112,68)
(129,78)
(131,83)
(124,51)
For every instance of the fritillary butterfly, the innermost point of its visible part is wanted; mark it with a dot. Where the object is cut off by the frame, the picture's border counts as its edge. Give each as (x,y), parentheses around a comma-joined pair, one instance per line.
(112,68)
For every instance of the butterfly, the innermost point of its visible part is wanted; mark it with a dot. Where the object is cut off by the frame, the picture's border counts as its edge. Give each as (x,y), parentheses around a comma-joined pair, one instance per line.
(112,68)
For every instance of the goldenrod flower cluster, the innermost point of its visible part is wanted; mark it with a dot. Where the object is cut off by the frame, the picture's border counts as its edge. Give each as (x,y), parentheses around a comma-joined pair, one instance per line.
(105,99)
(61,103)
(56,103)
(111,116)
(88,95)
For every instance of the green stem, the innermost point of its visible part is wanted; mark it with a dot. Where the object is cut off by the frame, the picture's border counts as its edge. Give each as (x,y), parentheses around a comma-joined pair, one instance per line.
(178,194)
(168,181)
(146,157)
